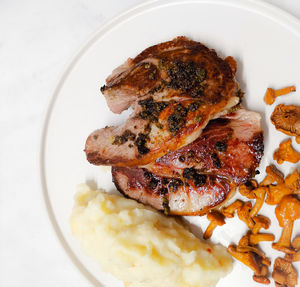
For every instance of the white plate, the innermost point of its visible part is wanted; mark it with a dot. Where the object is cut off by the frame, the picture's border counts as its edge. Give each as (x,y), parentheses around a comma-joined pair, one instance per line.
(264,40)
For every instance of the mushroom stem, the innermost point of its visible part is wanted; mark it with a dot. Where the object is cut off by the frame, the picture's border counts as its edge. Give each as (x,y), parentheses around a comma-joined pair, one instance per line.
(260,197)
(285,239)
(209,230)
(271,94)
(244,214)
(256,238)
(216,218)
(284,91)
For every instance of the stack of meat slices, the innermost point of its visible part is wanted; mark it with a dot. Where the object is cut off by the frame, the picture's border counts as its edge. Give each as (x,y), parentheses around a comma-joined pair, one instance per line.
(188,143)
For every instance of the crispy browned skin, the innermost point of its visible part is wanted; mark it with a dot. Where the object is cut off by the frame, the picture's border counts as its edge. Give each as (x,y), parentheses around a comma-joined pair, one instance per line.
(201,175)
(175,88)
(230,147)
(181,64)
(175,126)
(173,196)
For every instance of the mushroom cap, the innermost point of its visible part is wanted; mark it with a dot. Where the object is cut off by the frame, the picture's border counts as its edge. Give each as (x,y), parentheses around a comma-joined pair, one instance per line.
(276,193)
(293,180)
(287,119)
(287,210)
(269,96)
(262,221)
(284,272)
(285,152)
(273,175)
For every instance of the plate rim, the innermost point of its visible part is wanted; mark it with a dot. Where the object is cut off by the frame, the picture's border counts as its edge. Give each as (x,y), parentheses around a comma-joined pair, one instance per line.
(263,8)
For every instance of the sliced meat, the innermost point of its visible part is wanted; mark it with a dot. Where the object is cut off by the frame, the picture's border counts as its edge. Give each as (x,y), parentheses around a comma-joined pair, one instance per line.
(201,175)
(175,88)
(155,128)
(231,146)
(183,65)
(191,196)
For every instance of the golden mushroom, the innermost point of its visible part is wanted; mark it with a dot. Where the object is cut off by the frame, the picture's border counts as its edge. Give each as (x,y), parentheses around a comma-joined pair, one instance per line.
(247,189)
(254,239)
(285,152)
(216,218)
(284,273)
(293,181)
(273,175)
(244,214)
(287,120)
(228,211)
(259,199)
(286,212)
(271,94)
(247,258)
(276,192)
(260,222)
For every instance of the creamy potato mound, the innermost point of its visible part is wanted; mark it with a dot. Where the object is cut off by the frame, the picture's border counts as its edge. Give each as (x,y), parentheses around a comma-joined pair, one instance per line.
(141,246)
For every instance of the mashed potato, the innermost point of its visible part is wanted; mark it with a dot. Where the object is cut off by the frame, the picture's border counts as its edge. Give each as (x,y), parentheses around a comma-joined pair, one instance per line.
(141,246)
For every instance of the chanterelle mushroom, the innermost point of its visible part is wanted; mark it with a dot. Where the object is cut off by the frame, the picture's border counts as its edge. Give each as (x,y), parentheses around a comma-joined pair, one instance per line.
(293,181)
(256,238)
(252,257)
(244,214)
(273,175)
(295,256)
(247,188)
(247,258)
(260,222)
(287,120)
(216,218)
(284,273)
(276,192)
(286,153)
(259,199)
(228,211)
(271,94)
(286,212)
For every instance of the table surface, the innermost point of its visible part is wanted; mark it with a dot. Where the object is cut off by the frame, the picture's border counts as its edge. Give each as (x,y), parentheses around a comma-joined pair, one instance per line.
(37,40)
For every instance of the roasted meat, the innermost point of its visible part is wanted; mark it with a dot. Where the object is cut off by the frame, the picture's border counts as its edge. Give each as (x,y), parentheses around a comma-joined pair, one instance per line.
(201,175)
(181,65)
(174,88)
(231,146)
(194,195)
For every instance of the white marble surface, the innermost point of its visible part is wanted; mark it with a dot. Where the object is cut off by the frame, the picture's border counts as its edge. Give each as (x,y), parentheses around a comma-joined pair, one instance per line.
(37,39)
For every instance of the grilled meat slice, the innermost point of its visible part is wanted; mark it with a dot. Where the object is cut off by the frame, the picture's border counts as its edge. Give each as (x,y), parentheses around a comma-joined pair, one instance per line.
(194,195)
(201,175)
(155,128)
(192,86)
(183,65)
(231,146)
